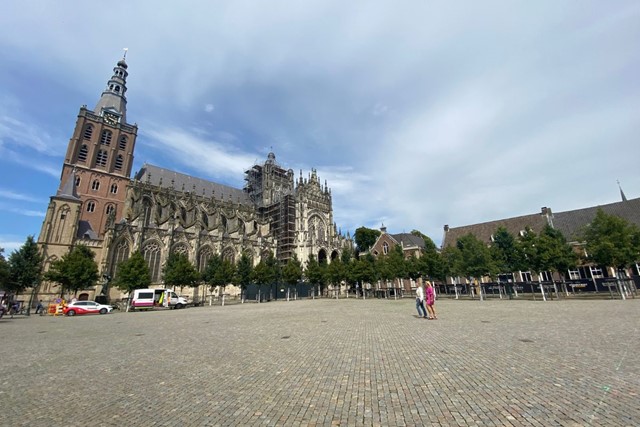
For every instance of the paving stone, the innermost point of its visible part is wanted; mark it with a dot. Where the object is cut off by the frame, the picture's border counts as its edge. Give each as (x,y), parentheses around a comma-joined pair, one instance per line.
(328,363)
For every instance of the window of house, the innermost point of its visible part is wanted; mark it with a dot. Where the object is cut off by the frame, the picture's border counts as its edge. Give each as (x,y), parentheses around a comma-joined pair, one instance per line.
(122,144)
(385,248)
(119,161)
(95,185)
(110,209)
(82,154)
(574,275)
(596,272)
(101,158)
(91,206)
(545,276)
(105,139)
(114,188)
(526,276)
(88,132)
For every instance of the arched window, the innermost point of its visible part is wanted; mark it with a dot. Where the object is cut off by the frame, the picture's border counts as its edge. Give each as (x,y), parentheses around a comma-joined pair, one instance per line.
(101,158)
(114,188)
(121,254)
(152,254)
(105,139)
(91,206)
(82,154)
(385,248)
(203,258)
(181,249)
(110,209)
(95,185)
(146,211)
(122,144)
(229,255)
(88,132)
(119,161)
(77,181)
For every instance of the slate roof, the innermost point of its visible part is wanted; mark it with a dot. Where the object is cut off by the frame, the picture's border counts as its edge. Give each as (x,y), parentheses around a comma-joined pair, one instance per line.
(408,240)
(68,190)
(166,178)
(570,223)
(483,231)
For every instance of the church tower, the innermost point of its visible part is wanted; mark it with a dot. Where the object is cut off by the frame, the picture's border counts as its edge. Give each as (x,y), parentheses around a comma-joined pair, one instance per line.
(100,155)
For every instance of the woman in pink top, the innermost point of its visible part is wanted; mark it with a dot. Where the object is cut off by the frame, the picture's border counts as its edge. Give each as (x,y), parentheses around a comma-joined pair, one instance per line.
(431,299)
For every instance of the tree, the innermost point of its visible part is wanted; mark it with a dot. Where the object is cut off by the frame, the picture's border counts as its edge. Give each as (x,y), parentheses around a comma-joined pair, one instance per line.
(365,270)
(244,268)
(335,273)
(475,256)
(611,241)
(4,271)
(132,273)
(25,269)
(554,252)
(261,276)
(315,273)
(75,271)
(396,263)
(180,272)
(219,272)
(365,238)
(505,252)
(347,260)
(292,272)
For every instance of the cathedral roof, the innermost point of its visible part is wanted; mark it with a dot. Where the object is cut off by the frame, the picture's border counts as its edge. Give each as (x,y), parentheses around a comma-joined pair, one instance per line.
(166,178)
(68,190)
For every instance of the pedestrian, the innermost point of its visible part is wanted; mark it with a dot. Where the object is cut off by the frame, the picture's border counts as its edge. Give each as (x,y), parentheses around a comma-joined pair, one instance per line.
(431,299)
(422,312)
(39,307)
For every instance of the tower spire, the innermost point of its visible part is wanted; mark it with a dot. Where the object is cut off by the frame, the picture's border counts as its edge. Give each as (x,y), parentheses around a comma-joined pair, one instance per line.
(113,100)
(624,198)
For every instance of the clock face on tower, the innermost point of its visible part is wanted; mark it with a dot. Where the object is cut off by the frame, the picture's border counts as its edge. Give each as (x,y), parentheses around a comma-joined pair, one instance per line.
(110,119)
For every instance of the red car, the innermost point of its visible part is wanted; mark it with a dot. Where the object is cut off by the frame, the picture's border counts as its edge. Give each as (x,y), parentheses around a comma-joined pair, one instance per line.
(86,307)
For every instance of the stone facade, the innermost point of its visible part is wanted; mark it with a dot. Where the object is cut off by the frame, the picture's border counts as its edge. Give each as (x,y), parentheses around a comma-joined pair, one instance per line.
(160,212)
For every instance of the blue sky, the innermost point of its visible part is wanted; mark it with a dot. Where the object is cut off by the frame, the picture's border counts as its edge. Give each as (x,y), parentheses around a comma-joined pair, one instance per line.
(416,113)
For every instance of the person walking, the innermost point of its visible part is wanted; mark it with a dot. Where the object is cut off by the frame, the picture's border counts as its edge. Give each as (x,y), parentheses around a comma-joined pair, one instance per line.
(39,307)
(430,300)
(422,312)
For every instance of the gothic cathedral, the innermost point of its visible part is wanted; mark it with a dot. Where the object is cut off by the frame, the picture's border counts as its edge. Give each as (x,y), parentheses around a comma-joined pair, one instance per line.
(159,211)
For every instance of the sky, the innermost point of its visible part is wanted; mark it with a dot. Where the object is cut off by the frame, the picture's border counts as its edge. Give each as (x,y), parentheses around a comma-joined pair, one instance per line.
(416,113)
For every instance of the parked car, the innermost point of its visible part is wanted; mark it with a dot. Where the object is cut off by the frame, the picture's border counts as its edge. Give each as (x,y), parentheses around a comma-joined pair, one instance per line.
(86,307)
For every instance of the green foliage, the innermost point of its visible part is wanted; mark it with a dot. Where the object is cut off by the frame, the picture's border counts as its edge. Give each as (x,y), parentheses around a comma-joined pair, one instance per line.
(244,270)
(315,272)
(431,262)
(292,271)
(180,272)
(365,269)
(335,272)
(612,241)
(24,267)
(365,238)
(348,261)
(452,261)
(74,271)
(554,253)
(5,272)
(219,272)
(132,273)
(506,252)
(476,260)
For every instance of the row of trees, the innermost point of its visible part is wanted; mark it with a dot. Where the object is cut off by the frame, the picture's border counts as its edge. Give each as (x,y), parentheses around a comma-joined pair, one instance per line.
(608,241)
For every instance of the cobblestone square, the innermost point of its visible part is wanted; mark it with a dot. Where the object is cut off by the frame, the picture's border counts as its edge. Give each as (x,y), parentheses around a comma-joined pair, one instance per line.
(324,362)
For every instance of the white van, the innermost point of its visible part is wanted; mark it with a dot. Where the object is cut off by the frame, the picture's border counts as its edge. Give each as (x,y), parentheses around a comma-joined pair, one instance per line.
(154,298)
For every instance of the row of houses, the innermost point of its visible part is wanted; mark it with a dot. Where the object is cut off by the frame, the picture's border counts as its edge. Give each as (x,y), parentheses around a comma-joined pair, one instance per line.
(570,223)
